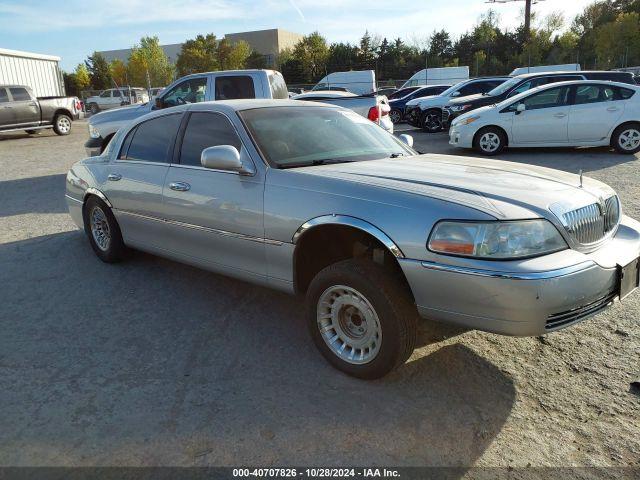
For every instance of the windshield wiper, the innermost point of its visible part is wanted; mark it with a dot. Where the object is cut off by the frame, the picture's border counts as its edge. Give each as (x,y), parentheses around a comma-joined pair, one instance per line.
(313,163)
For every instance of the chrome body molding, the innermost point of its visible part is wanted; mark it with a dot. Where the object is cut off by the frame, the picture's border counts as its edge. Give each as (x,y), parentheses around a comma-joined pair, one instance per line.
(225,233)
(99,194)
(73,199)
(560,272)
(350,222)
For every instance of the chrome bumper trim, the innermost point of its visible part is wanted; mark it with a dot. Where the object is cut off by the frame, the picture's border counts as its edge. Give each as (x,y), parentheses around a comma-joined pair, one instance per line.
(560,272)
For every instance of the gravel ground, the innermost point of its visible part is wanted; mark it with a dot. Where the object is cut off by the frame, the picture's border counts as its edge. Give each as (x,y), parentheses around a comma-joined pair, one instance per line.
(151,362)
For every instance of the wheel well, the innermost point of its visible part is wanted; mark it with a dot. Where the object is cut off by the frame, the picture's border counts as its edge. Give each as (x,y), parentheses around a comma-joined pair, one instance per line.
(324,245)
(630,122)
(504,132)
(62,111)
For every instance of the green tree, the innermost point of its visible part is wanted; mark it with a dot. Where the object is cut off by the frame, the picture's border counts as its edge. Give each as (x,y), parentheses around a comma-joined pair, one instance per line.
(312,53)
(98,69)
(256,60)
(118,71)
(236,56)
(618,42)
(82,78)
(198,55)
(441,45)
(149,64)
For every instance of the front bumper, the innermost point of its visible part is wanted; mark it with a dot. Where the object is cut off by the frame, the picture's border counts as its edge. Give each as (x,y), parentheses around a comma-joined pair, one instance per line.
(462,136)
(93,146)
(524,303)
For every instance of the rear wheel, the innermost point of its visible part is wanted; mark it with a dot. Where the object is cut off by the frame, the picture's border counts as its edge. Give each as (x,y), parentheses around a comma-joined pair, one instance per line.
(94,108)
(489,141)
(395,115)
(626,138)
(62,124)
(361,318)
(103,231)
(431,121)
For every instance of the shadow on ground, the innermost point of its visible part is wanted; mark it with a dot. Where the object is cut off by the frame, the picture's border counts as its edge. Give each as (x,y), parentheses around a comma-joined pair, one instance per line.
(150,362)
(33,195)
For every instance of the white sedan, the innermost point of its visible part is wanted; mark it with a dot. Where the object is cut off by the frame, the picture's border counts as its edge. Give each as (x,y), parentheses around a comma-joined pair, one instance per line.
(565,114)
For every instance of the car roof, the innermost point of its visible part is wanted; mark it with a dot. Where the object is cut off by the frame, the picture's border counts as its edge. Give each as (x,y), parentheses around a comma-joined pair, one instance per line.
(565,72)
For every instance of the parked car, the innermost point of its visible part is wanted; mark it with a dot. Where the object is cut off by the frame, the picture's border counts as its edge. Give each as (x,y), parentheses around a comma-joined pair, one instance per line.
(398,105)
(522,83)
(116,98)
(199,87)
(154,92)
(386,91)
(403,92)
(374,107)
(427,112)
(20,109)
(314,199)
(577,113)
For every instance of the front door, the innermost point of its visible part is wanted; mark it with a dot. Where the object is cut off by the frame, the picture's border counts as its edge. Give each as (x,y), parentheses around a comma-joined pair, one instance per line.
(595,111)
(135,179)
(25,108)
(545,118)
(214,216)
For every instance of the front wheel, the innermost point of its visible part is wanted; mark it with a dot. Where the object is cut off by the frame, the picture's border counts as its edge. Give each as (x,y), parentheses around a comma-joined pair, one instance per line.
(62,124)
(103,231)
(432,121)
(626,138)
(395,115)
(94,108)
(489,141)
(361,318)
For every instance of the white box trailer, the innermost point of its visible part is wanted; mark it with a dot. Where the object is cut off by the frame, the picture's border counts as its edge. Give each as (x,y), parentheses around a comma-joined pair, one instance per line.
(565,67)
(360,82)
(438,76)
(39,72)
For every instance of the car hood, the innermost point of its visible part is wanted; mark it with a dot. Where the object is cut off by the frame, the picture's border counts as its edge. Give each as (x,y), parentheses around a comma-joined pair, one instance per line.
(421,100)
(120,114)
(474,113)
(467,99)
(504,190)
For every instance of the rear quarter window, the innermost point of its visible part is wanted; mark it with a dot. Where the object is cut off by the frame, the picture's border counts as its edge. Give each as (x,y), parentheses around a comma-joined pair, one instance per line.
(232,87)
(19,94)
(625,93)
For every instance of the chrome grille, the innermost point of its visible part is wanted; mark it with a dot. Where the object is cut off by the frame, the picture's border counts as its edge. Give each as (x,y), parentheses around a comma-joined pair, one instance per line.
(592,223)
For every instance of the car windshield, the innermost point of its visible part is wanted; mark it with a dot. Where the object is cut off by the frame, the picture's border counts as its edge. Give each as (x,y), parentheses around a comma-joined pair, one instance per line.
(453,88)
(504,87)
(303,136)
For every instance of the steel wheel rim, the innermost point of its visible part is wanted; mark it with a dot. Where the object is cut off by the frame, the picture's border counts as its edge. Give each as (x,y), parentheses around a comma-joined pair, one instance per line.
(349,325)
(629,139)
(489,142)
(432,122)
(64,124)
(100,228)
(395,116)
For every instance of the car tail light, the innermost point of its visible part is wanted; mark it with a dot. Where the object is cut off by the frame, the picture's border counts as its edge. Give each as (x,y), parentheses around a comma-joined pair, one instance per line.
(78,105)
(374,114)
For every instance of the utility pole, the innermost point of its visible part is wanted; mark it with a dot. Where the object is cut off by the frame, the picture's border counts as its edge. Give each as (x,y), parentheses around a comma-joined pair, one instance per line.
(527,13)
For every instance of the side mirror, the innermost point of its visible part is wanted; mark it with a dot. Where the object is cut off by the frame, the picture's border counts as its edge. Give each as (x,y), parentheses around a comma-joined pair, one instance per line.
(223,157)
(406,139)
(455,94)
(159,103)
(520,108)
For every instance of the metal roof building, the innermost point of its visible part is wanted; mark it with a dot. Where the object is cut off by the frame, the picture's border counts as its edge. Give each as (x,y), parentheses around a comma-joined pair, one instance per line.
(39,72)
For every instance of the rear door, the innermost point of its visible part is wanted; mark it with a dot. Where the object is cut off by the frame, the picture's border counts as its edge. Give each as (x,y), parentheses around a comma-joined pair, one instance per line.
(26,110)
(545,119)
(595,111)
(136,177)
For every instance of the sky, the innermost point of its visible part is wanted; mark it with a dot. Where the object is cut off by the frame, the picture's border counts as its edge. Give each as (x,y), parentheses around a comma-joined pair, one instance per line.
(73,29)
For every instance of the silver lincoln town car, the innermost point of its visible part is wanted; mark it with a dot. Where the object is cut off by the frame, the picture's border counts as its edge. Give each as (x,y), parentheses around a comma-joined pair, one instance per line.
(317,200)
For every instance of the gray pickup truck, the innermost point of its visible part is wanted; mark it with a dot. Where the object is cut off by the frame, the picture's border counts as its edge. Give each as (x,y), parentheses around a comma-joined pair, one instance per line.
(20,109)
(199,87)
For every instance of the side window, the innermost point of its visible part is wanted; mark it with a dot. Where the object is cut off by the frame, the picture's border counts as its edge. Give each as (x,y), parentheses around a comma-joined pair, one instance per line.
(482,87)
(523,87)
(622,93)
(19,94)
(3,95)
(469,89)
(206,130)
(189,91)
(152,140)
(105,94)
(234,86)
(593,94)
(553,97)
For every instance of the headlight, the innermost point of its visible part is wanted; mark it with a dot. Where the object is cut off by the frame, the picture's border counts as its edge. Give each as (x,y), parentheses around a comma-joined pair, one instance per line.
(496,240)
(466,121)
(459,108)
(93,133)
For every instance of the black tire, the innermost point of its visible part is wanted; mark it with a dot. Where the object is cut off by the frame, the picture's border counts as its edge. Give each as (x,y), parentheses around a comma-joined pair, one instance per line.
(412,118)
(62,124)
(395,115)
(626,138)
(485,140)
(31,132)
(431,121)
(94,108)
(390,302)
(115,249)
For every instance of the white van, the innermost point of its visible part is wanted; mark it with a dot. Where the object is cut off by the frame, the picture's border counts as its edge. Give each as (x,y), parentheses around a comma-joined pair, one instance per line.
(438,76)
(360,82)
(567,67)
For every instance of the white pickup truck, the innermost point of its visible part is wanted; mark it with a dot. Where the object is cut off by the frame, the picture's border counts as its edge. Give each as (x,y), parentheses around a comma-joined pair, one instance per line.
(199,87)
(374,107)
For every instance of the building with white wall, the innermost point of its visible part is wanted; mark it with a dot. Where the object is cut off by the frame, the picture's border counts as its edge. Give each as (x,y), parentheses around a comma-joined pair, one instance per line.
(39,72)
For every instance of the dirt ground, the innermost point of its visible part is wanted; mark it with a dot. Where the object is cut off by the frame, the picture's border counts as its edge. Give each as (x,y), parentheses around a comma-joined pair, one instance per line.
(151,362)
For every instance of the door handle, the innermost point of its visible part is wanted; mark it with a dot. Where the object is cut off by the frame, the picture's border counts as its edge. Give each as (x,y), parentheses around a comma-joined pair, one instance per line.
(560,115)
(612,109)
(114,177)
(179,186)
